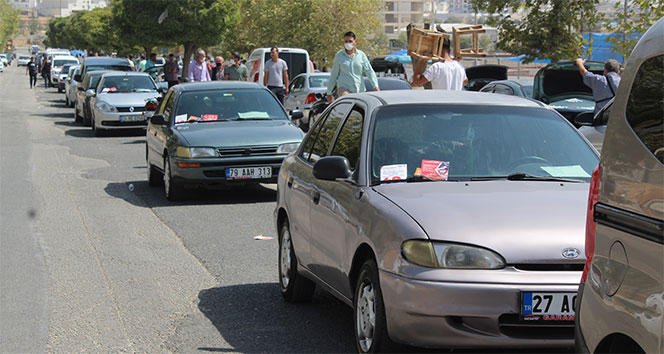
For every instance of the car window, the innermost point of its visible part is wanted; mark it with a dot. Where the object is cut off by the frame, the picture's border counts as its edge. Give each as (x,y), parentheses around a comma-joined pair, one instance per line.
(228,104)
(645,105)
(462,142)
(94,81)
(297,62)
(327,131)
(487,88)
(350,138)
(126,84)
(298,84)
(167,106)
(310,139)
(502,89)
(318,81)
(604,114)
(61,62)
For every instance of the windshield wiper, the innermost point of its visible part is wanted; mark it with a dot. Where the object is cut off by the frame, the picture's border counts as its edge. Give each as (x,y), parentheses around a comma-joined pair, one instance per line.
(520,176)
(252,118)
(420,178)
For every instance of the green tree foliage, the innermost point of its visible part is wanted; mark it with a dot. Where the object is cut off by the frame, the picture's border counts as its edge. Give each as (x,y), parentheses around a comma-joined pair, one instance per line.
(136,23)
(549,29)
(56,36)
(9,19)
(633,21)
(315,25)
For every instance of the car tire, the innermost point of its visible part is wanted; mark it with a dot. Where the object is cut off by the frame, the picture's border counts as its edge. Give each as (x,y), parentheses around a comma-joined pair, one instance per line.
(67,101)
(369,312)
(77,115)
(294,287)
(172,189)
(98,132)
(155,178)
(86,119)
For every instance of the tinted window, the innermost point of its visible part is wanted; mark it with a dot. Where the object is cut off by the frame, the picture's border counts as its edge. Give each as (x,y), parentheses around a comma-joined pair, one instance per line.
(318,81)
(108,67)
(61,62)
(327,131)
(502,89)
(125,84)
(350,138)
(168,107)
(390,84)
(479,141)
(297,63)
(645,106)
(93,81)
(219,105)
(298,84)
(311,139)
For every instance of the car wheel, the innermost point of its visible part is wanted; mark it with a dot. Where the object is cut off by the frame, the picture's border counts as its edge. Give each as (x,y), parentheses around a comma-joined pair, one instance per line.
(294,287)
(59,89)
(171,188)
(86,118)
(369,312)
(67,101)
(77,116)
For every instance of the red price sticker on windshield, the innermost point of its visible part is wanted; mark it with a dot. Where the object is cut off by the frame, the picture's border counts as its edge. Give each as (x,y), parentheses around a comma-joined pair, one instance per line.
(434,169)
(208,117)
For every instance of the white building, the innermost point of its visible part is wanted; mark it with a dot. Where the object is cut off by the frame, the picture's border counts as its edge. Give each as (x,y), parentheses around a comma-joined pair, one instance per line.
(399,13)
(82,5)
(25,4)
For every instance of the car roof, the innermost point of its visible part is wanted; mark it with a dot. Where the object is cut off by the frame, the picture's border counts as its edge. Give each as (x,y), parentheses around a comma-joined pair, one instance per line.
(449,97)
(64,57)
(124,73)
(211,85)
(105,60)
(285,49)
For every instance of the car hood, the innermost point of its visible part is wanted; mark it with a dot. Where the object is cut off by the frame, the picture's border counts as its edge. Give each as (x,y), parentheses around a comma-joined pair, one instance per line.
(239,133)
(127,99)
(524,221)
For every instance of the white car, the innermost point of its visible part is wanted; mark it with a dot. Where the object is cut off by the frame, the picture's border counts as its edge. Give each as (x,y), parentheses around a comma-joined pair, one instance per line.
(296,59)
(23,60)
(3,59)
(2,67)
(71,86)
(57,63)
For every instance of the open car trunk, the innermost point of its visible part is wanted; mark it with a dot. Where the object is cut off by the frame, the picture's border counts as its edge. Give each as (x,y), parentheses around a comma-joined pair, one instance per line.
(480,75)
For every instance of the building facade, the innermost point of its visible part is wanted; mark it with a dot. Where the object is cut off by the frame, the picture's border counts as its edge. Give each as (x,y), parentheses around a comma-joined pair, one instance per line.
(399,13)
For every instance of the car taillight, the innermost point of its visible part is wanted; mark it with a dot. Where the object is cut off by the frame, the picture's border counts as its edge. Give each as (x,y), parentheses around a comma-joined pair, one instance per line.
(150,106)
(59,67)
(311,98)
(256,77)
(590,221)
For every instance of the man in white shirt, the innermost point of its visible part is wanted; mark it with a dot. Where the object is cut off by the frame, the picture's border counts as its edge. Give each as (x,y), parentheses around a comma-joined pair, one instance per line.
(443,75)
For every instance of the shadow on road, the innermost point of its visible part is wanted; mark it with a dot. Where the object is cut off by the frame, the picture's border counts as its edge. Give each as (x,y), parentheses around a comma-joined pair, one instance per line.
(53,115)
(152,197)
(86,132)
(254,318)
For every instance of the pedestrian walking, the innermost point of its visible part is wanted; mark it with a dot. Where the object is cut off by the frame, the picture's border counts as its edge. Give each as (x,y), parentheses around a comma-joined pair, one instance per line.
(130,59)
(198,70)
(276,75)
(171,69)
(31,69)
(217,72)
(141,63)
(150,66)
(40,61)
(46,72)
(443,75)
(237,71)
(604,86)
(349,65)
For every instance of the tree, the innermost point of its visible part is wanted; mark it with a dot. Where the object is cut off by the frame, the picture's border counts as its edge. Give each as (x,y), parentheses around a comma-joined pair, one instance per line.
(136,23)
(633,18)
(56,36)
(9,20)
(549,28)
(33,25)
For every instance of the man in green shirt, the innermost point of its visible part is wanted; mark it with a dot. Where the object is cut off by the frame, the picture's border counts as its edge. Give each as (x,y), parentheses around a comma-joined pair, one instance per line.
(150,66)
(349,65)
(236,71)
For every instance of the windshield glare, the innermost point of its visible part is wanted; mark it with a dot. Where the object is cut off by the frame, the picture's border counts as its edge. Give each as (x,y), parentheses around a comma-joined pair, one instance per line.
(446,142)
(124,84)
(318,81)
(225,105)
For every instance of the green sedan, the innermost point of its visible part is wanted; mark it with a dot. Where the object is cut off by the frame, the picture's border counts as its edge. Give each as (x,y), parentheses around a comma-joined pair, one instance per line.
(218,133)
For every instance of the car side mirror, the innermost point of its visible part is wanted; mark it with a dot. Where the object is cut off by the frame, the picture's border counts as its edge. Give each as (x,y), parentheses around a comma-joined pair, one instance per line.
(77,77)
(330,168)
(584,119)
(90,93)
(80,88)
(158,119)
(296,114)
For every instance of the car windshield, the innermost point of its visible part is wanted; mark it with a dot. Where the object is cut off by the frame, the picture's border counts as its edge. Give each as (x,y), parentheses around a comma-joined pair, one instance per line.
(65,69)
(94,80)
(225,105)
(108,67)
(318,81)
(22,57)
(124,84)
(61,62)
(458,142)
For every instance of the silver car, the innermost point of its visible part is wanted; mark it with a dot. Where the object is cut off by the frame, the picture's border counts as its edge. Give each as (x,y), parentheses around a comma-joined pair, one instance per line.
(302,94)
(71,86)
(444,218)
(119,101)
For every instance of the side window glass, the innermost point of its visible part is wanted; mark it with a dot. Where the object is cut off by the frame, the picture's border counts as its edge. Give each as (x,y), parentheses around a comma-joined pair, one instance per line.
(299,84)
(327,131)
(350,138)
(309,142)
(169,107)
(645,105)
(503,90)
(162,106)
(604,119)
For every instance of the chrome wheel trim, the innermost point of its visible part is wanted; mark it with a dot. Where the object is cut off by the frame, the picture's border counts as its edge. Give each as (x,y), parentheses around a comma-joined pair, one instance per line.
(365,315)
(167,175)
(285,259)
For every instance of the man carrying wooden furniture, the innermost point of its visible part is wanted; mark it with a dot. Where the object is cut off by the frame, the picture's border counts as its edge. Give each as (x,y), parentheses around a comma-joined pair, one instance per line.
(443,75)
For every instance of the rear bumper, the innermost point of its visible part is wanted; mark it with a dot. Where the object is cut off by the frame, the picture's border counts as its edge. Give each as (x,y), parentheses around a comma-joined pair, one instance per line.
(467,315)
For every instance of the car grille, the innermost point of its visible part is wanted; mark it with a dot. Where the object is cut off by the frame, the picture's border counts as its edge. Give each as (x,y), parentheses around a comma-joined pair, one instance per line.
(247,151)
(512,326)
(114,123)
(567,267)
(126,109)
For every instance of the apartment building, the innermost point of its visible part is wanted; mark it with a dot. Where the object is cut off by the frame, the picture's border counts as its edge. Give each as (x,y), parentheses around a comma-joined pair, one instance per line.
(399,13)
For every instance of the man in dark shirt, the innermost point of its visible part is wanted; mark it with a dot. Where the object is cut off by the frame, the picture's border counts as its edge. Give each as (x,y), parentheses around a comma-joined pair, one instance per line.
(171,70)
(31,69)
(46,72)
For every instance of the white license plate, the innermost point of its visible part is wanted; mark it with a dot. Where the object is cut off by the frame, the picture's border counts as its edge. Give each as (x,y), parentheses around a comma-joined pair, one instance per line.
(134,118)
(249,173)
(548,306)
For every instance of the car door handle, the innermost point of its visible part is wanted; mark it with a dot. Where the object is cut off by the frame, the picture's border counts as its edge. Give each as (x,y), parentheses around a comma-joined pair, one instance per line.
(315,196)
(290,182)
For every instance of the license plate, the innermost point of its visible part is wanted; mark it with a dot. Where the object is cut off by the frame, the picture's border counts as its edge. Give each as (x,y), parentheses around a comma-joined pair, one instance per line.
(249,173)
(134,118)
(548,306)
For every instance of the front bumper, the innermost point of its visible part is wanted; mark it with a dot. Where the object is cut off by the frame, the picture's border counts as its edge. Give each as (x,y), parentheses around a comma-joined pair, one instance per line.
(467,315)
(213,170)
(113,120)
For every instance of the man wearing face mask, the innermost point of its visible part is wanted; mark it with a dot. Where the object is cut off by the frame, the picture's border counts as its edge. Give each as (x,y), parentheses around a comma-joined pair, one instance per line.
(217,72)
(237,71)
(349,65)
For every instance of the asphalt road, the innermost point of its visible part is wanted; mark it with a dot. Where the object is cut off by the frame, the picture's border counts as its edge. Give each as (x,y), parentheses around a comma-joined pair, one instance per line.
(88,265)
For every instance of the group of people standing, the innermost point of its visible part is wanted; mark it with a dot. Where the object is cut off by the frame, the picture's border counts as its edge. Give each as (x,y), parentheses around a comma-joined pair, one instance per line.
(34,68)
(201,70)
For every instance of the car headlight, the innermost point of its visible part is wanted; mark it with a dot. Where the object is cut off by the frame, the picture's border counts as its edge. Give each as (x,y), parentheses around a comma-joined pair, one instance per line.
(105,107)
(286,149)
(195,152)
(450,255)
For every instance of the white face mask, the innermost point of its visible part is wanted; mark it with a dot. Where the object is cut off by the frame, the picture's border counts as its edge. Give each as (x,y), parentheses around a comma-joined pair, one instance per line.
(232,61)
(349,46)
